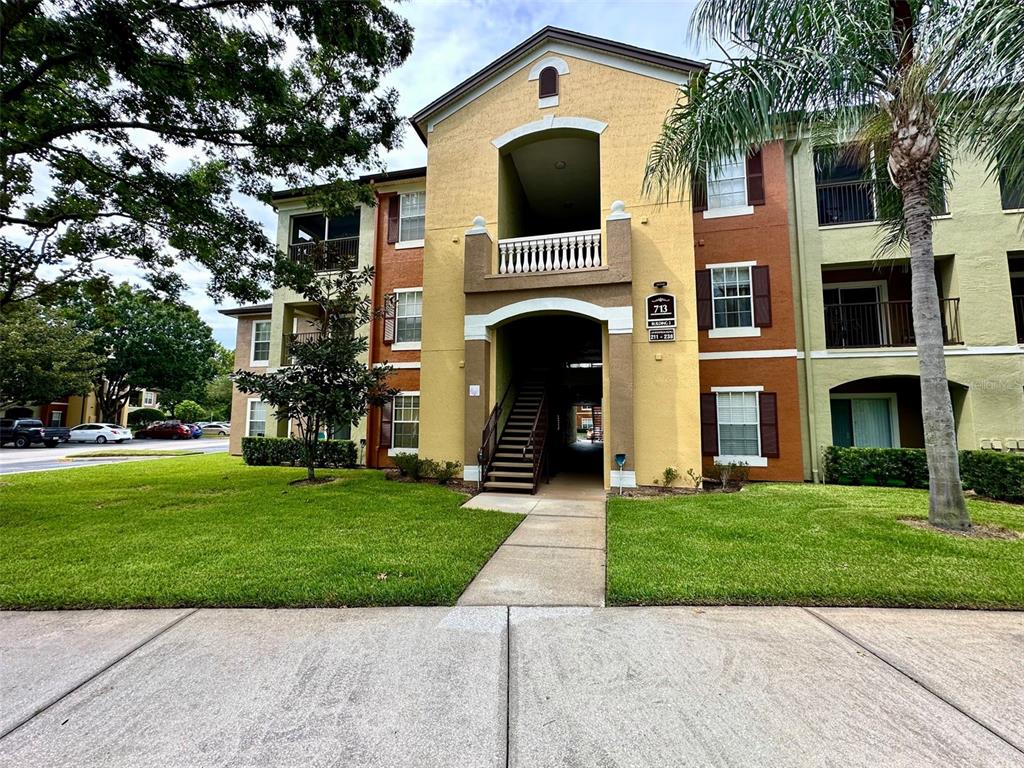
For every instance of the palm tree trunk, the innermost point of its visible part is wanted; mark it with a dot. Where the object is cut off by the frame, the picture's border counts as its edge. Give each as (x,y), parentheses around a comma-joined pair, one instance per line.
(946,505)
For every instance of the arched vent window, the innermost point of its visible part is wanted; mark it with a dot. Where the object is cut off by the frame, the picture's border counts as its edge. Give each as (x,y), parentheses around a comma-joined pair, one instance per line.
(548,82)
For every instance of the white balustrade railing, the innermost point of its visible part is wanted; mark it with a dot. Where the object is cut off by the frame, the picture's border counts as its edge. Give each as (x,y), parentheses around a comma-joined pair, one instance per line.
(564,252)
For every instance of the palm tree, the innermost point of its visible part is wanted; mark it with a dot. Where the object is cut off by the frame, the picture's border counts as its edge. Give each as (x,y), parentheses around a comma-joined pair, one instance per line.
(913,79)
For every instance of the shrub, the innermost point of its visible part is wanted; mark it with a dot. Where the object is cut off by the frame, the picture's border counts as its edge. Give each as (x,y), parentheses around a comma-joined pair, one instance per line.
(696,479)
(992,474)
(733,475)
(143,416)
(669,475)
(897,467)
(189,411)
(410,465)
(275,451)
(444,471)
(996,475)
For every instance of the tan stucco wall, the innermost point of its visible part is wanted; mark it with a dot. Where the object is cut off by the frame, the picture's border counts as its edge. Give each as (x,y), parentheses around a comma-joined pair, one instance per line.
(463,182)
(971,246)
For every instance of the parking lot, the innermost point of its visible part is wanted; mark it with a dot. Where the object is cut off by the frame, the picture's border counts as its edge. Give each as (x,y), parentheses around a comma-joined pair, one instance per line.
(38,458)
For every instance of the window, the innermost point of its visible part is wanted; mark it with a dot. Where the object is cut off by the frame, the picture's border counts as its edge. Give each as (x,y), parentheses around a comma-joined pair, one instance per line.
(261,342)
(256,423)
(864,422)
(56,418)
(738,424)
(1011,194)
(412,211)
(727,184)
(408,316)
(406,430)
(149,398)
(732,297)
(548,82)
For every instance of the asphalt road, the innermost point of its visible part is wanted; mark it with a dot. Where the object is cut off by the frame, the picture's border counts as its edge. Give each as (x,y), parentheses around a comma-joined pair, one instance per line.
(39,458)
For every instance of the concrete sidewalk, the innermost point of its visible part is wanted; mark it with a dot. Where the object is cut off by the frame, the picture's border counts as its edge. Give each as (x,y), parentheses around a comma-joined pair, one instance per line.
(556,557)
(491,686)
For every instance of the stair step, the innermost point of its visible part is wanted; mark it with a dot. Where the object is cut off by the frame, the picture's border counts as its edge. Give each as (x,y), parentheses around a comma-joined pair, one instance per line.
(514,438)
(526,476)
(508,486)
(513,464)
(514,455)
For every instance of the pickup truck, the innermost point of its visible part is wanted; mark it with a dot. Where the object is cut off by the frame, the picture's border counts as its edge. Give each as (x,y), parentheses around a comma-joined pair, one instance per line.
(26,432)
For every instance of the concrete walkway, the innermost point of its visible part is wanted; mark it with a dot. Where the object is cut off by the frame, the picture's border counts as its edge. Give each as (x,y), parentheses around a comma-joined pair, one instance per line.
(521,687)
(556,557)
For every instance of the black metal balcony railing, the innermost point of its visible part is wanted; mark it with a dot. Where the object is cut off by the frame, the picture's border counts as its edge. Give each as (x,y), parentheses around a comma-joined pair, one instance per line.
(327,255)
(1018,316)
(845,202)
(884,324)
(298,338)
(854,202)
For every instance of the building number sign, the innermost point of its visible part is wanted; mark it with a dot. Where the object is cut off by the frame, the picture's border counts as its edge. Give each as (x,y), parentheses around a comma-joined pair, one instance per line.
(661,310)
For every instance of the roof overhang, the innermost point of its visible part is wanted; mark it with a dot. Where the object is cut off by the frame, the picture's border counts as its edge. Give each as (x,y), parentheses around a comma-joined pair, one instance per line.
(253,309)
(663,66)
(368,178)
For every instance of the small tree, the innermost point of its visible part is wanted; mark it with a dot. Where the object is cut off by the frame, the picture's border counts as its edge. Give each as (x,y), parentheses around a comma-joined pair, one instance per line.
(189,411)
(327,382)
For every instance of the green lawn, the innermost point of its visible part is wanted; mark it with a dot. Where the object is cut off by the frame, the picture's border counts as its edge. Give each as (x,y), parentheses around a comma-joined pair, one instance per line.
(807,545)
(210,531)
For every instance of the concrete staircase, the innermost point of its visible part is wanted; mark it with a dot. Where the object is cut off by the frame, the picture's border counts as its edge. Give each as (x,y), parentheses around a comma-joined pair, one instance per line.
(512,468)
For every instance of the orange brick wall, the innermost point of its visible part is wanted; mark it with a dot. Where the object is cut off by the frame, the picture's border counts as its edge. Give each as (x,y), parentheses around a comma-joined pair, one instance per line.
(762,237)
(393,269)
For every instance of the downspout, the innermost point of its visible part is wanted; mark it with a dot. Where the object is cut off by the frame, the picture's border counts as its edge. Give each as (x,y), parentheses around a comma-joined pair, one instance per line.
(805,319)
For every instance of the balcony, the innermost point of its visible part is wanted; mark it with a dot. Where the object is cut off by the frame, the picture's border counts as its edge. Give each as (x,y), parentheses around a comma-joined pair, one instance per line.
(845,202)
(565,252)
(884,324)
(327,255)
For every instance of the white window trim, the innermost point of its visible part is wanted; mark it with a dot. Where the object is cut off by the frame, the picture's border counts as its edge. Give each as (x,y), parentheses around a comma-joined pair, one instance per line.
(740,331)
(750,461)
(545,102)
(392,451)
(253,362)
(248,415)
(403,244)
(894,413)
(407,346)
(733,210)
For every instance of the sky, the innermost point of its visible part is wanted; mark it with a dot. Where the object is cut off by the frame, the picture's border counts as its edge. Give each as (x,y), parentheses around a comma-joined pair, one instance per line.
(455,39)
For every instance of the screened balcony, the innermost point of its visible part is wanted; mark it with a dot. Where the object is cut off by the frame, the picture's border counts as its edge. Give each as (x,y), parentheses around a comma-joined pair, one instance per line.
(327,244)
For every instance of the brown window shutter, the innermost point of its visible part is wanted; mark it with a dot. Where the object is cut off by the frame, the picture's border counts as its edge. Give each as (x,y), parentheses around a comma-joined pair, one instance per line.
(548,82)
(386,420)
(394,203)
(755,179)
(699,192)
(705,311)
(390,312)
(709,423)
(769,412)
(762,288)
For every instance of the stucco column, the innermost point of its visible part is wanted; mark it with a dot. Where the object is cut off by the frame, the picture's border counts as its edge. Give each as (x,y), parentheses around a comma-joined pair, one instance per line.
(620,425)
(478,256)
(478,408)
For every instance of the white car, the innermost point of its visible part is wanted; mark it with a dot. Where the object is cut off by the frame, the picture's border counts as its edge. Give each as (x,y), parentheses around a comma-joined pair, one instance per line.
(219,428)
(100,433)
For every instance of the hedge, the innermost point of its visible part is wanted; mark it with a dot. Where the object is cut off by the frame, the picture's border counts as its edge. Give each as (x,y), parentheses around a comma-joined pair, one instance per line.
(988,473)
(274,451)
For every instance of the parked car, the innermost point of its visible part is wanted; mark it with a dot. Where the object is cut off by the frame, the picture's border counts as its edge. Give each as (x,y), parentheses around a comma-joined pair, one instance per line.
(196,430)
(100,433)
(219,428)
(26,432)
(165,430)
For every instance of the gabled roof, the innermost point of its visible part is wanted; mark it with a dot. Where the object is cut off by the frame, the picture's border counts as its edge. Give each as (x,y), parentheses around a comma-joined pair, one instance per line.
(554,35)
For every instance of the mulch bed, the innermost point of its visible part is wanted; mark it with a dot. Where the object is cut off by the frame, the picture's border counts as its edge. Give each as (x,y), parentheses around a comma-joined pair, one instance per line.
(974,532)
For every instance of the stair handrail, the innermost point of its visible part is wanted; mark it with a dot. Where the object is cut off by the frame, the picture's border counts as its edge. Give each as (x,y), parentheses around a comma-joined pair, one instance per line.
(489,438)
(538,438)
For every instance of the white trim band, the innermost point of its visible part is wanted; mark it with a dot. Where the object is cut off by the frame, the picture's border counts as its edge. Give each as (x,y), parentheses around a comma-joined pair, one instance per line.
(619,319)
(826,354)
(742,354)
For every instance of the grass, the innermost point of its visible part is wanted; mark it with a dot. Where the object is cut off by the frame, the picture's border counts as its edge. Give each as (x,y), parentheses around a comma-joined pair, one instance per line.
(210,531)
(131,452)
(808,545)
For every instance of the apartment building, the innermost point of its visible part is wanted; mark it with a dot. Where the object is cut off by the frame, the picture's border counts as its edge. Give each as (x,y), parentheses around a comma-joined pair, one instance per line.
(529,284)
